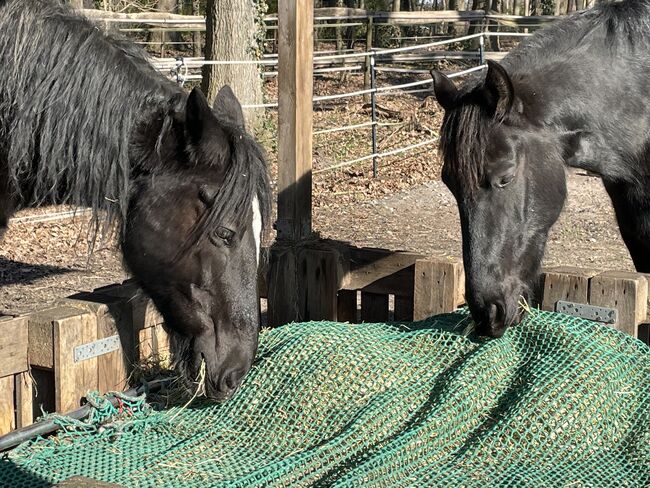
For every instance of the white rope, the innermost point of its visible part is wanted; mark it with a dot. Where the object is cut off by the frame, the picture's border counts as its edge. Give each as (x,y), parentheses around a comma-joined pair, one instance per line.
(376,90)
(376,155)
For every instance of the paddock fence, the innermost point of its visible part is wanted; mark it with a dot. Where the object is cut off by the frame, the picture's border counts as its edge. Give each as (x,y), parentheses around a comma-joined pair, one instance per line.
(465,38)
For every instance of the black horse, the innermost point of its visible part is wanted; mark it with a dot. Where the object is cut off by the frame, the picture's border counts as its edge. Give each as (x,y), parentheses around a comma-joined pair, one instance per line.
(575,94)
(85,120)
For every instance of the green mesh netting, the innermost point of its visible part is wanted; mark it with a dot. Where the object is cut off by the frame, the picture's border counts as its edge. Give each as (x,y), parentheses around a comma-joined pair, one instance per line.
(557,401)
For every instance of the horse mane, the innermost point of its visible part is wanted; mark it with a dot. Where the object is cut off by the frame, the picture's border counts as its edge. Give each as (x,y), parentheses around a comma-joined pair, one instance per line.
(70,99)
(613,26)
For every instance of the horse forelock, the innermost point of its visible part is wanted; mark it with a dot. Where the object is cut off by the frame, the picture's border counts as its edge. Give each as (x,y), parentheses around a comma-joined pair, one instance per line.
(463,143)
(245,181)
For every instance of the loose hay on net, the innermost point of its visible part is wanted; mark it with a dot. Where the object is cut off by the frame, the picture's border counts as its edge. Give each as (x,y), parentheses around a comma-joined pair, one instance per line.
(557,401)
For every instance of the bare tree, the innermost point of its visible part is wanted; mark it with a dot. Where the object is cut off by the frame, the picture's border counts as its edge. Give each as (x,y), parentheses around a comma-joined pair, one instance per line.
(231,35)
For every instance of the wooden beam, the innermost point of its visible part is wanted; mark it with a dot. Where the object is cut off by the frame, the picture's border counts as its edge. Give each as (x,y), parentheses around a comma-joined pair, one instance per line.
(295,92)
(376,270)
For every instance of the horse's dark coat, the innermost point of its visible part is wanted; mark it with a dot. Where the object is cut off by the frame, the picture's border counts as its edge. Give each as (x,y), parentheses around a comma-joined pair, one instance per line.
(85,120)
(576,94)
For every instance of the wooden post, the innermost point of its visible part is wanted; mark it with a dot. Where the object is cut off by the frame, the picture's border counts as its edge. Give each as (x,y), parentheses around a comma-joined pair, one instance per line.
(624,291)
(366,76)
(24,399)
(303,278)
(303,284)
(112,367)
(565,283)
(7,414)
(439,287)
(54,333)
(13,365)
(295,85)
(346,306)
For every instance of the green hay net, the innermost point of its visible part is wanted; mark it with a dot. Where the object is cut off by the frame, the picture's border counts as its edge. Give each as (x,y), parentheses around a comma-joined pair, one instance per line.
(558,401)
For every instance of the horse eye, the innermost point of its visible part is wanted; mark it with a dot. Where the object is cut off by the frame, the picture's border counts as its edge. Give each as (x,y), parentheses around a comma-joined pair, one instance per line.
(505,180)
(225,234)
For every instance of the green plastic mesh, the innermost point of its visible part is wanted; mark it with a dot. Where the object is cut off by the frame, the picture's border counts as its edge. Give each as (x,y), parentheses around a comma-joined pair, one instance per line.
(558,401)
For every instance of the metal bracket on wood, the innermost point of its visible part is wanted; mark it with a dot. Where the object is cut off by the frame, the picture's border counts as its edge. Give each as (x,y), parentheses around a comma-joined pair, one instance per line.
(96,348)
(589,312)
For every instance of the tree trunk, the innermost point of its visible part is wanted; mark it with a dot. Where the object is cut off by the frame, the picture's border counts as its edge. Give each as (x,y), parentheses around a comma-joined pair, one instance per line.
(76,3)
(159,37)
(230,35)
(397,5)
(451,27)
(197,42)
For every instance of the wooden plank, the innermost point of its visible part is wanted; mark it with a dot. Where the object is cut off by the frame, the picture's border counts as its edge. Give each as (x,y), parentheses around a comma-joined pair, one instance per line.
(565,283)
(374,307)
(112,367)
(283,288)
(346,306)
(320,281)
(13,345)
(377,270)
(7,405)
(154,346)
(624,291)
(439,287)
(72,379)
(403,309)
(24,396)
(295,82)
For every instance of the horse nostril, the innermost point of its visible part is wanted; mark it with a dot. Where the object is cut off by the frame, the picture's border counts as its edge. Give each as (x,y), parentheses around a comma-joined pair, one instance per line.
(231,379)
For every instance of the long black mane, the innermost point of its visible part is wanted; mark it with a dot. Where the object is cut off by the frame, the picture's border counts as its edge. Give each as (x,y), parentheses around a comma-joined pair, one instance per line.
(603,32)
(74,101)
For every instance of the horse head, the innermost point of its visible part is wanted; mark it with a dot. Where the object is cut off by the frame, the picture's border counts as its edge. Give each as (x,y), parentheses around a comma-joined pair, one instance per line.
(506,171)
(192,238)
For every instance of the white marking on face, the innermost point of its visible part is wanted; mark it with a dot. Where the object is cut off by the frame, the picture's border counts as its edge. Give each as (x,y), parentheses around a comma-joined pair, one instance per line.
(257,226)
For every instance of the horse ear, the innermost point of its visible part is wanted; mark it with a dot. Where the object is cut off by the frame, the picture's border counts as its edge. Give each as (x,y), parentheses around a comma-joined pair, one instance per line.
(228,108)
(198,115)
(444,89)
(498,90)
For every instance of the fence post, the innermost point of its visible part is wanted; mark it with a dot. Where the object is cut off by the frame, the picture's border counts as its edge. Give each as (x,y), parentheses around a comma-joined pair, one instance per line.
(366,76)
(373,104)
